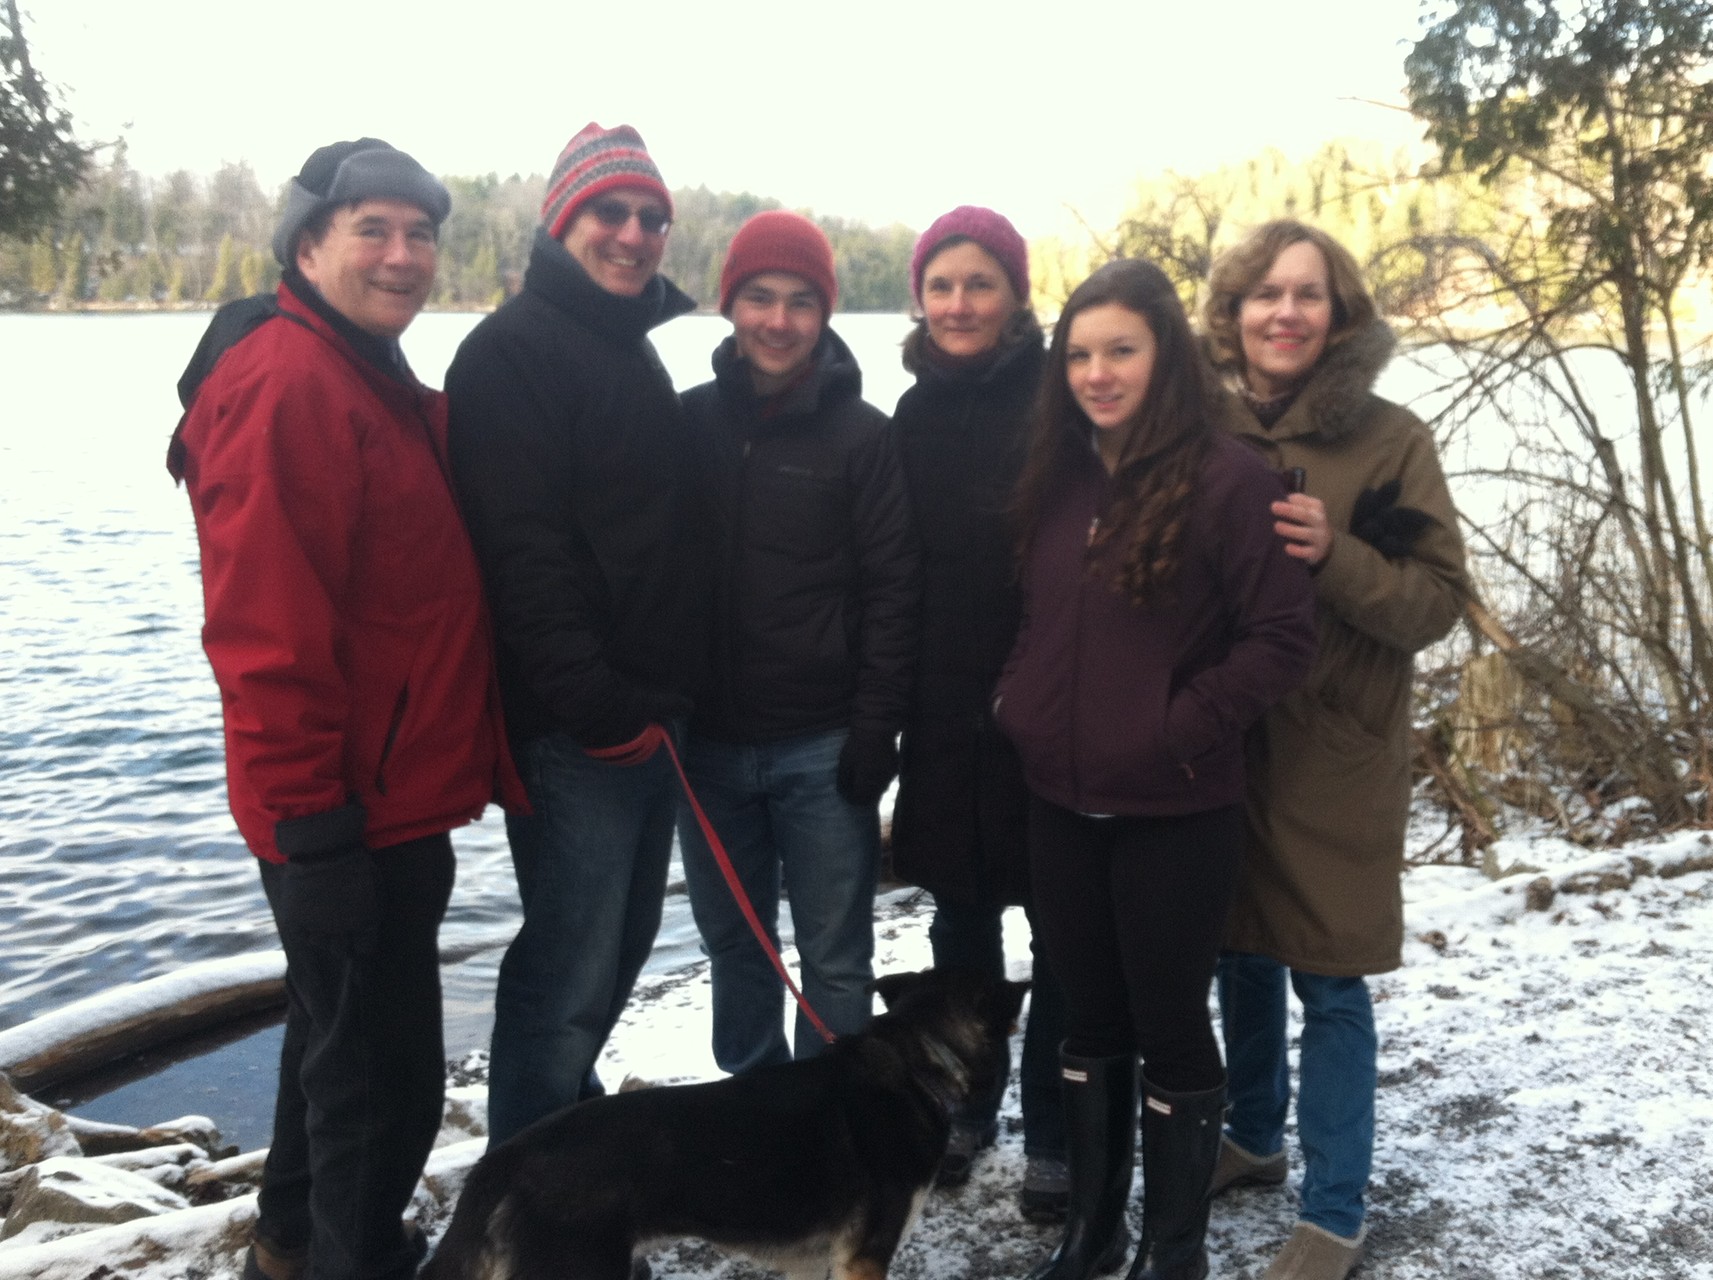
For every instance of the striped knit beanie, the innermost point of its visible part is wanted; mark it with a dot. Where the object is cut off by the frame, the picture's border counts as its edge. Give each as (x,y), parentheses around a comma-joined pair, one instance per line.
(594,161)
(992,231)
(778,240)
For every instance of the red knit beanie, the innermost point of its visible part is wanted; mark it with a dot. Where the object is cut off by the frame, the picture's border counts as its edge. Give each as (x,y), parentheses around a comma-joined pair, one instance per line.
(779,240)
(598,160)
(992,231)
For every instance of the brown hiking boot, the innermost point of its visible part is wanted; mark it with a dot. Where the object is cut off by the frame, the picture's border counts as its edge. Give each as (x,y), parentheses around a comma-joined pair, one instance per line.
(1240,1168)
(269,1260)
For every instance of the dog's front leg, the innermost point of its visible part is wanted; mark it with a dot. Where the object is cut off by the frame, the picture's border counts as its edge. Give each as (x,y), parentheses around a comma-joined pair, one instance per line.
(866,1253)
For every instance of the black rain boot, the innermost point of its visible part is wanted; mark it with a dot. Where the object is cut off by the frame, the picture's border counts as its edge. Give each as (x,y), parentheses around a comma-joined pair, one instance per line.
(1100,1127)
(1180,1147)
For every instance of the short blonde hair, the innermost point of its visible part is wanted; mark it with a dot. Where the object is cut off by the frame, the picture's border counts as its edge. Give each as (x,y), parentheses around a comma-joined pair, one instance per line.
(1243,266)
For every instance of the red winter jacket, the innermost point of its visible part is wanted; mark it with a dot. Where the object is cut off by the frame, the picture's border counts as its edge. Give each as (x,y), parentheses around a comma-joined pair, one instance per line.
(345,618)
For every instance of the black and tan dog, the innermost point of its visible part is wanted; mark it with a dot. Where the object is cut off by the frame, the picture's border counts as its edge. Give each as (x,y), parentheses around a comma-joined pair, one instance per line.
(813,1167)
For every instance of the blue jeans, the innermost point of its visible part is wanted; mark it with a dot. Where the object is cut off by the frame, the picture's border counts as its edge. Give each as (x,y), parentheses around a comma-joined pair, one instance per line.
(1335,1100)
(777,809)
(967,935)
(591,871)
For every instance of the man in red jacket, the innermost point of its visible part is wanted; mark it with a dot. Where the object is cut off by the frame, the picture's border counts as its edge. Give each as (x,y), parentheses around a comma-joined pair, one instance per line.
(347,632)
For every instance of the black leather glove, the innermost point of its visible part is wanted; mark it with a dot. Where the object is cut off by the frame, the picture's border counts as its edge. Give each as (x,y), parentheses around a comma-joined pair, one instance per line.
(867,765)
(1380,522)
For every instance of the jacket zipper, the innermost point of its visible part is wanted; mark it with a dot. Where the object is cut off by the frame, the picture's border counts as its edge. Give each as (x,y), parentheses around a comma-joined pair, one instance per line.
(392,737)
(1076,682)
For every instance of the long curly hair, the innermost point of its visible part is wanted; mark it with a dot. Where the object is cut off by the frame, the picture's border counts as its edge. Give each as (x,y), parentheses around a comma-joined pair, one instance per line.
(1161,458)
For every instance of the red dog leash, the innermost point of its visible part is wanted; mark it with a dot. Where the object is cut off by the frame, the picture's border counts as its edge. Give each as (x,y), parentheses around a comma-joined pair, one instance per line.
(642,748)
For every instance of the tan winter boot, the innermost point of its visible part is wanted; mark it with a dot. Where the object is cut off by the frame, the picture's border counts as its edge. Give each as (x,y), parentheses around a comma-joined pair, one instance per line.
(1240,1168)
(1314,1253)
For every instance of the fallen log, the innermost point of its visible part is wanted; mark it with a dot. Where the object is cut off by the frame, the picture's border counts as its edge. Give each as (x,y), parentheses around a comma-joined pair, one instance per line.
(90,1033)
(102,1029)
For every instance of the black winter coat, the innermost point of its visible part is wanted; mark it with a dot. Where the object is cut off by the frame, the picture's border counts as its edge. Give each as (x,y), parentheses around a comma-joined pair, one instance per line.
(581,488)
(817,584)
(958,826)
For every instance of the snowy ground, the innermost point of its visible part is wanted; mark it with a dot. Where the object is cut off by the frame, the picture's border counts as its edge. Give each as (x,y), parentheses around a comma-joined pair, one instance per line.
(1546,1099)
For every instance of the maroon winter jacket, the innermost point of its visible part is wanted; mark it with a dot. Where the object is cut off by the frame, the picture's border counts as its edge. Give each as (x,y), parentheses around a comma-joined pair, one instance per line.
(1140,710)
(345,617)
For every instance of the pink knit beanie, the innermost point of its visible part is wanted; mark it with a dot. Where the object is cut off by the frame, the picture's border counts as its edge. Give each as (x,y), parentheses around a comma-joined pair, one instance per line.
(992,231)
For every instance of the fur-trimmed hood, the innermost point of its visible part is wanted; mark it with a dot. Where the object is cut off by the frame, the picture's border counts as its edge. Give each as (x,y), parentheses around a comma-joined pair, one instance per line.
(1334,403)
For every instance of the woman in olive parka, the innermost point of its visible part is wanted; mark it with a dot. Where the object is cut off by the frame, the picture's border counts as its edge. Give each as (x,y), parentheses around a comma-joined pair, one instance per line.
(1295,335)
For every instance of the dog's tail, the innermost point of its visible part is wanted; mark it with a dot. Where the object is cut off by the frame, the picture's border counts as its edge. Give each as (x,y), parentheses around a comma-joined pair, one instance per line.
(468,1250)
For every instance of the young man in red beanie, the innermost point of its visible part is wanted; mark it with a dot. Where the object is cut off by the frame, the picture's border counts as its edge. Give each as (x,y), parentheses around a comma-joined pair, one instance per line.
(794,736)
(575,469)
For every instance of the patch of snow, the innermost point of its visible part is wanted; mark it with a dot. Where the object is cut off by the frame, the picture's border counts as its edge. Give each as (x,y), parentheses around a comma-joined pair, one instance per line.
(1545,1106)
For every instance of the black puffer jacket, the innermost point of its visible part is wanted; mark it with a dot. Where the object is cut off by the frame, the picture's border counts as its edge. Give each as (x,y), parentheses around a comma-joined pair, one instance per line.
(581,487)
(957,829)
(817,586)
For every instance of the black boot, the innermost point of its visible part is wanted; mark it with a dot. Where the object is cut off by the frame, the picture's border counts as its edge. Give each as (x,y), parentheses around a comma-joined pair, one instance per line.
(1180,1147)
(1100,1127)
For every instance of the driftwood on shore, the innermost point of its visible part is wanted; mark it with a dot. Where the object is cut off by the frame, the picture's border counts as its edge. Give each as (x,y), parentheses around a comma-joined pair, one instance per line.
(83,1054)
(54,1048)
(91,1034)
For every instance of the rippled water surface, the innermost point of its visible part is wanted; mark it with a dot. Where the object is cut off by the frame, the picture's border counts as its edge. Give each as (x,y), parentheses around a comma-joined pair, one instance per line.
(118,858)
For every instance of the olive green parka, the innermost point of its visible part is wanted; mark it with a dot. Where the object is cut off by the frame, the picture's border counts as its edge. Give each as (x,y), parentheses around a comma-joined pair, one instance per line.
(1329,766)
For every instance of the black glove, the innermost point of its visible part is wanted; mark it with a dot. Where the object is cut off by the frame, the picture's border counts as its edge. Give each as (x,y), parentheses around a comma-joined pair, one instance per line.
(646,710)
(327,887)
(1380,522)
(661,706)
(867,765)
(332,897)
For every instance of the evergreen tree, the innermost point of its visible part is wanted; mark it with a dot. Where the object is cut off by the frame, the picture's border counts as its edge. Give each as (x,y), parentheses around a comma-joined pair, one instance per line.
(74,277)
(44,268)
(149,281)
(40,159)
(226,285)
(256,273)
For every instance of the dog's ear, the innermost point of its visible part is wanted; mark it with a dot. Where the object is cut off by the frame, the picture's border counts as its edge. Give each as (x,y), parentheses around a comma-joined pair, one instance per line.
(892,985)
(1005,1001)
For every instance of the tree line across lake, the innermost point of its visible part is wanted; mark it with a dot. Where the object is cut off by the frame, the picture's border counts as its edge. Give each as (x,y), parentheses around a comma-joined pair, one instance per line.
(124,239)
(1547,254)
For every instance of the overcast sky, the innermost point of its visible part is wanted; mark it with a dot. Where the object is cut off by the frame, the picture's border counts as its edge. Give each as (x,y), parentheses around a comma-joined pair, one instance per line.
(883,110)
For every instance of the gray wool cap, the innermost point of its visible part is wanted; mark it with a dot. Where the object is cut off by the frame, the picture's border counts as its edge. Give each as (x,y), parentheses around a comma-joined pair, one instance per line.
(343,172)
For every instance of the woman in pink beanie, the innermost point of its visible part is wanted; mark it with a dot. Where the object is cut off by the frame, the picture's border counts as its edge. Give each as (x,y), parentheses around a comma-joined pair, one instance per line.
(958,825)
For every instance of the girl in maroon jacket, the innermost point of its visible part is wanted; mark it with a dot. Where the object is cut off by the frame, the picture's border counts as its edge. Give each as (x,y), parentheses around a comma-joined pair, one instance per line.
(1161,618)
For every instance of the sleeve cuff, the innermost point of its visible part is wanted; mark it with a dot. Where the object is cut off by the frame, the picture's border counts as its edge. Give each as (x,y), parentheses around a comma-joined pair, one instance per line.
(319,834)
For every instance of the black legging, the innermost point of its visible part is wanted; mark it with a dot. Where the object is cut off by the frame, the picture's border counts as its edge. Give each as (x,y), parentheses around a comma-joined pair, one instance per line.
(1131,911)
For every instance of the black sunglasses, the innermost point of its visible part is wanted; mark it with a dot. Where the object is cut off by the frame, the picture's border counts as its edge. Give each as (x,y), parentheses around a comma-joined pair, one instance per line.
(615,213)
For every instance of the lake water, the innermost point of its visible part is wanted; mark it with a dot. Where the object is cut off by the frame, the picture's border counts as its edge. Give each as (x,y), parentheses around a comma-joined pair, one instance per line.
(118,858)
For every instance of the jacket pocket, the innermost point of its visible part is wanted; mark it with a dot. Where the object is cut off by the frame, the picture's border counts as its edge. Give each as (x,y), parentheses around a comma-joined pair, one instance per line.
(400,705)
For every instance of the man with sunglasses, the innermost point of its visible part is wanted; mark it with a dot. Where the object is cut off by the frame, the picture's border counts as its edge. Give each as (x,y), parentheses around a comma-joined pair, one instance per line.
(581,491)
